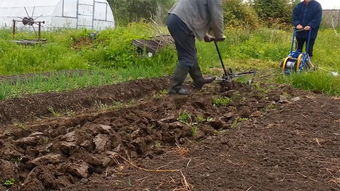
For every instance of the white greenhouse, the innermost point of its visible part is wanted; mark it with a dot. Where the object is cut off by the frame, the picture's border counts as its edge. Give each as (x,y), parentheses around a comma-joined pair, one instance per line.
(74,14)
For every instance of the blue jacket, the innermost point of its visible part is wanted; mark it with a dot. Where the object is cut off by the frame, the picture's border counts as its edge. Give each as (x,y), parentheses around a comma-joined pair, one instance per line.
(308,14)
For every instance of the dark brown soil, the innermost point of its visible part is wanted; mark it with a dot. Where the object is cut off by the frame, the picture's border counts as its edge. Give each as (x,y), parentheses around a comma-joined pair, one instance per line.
(281,140)
(44,105)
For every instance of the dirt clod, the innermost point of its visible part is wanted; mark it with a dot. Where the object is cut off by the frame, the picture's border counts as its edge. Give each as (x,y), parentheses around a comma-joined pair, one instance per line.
(79,169)
(47,159)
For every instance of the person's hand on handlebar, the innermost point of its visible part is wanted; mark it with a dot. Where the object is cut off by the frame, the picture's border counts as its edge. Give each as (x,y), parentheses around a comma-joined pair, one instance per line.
(299,27)
(209,38)
(307,28)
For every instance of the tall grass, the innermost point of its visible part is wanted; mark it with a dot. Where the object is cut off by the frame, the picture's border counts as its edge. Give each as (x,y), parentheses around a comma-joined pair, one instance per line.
(319,81)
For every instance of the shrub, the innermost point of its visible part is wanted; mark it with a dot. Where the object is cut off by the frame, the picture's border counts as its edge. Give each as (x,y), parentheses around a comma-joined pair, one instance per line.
(274,10)
(127,11)
(239,14)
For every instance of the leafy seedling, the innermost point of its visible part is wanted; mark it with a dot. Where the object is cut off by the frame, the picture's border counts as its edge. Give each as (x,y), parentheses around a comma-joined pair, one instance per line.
(10,182)
(221,101)
(237,122)
(54,113)
(184,117)
(194,131)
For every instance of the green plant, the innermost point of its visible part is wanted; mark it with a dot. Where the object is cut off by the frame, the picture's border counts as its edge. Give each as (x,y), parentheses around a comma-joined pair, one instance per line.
(54,113)
(274,9)
(111,59)
(184,117)
(21,126)
(314,81)
(239,14)
(221,101)
(237,122)
(10,182)
(200,118)
(127,11)
(210,119)
(194,131)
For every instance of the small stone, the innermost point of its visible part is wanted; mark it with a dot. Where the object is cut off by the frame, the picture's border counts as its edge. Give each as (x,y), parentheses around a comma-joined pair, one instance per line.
(228,115)
(283,99)
(296,99)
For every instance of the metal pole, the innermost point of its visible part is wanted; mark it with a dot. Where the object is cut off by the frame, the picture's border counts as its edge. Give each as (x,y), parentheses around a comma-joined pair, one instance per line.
(14,27)
(93,12)
(77,14)
(219,55)
(63,8)
(39,30)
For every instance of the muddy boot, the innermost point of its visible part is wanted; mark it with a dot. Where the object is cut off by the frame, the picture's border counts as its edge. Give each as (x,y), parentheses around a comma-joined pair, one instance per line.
(199,80)
(176,86)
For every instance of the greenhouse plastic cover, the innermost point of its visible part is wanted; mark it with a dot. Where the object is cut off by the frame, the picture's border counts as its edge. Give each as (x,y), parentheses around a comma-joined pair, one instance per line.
(91,14)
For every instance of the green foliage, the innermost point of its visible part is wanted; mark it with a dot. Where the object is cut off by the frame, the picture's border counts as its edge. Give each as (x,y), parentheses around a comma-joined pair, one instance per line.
(184,117)
(111,58)
(127,11)
(221,101)
(274,10)
(9,182)
(194,131)
(237,122)
(239,14)
(319,81)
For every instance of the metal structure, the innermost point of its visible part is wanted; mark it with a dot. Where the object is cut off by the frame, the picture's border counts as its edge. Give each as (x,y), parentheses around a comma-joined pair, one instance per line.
(30,21)
(74,14)
(229,75)
(331,18)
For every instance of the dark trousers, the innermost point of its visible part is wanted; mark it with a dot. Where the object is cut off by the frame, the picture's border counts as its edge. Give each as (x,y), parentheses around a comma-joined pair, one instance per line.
(184,41)
(302,41)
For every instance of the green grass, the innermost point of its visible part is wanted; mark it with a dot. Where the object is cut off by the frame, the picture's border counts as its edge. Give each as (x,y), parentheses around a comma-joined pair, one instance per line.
(112,59)
(319,81)
(221,101)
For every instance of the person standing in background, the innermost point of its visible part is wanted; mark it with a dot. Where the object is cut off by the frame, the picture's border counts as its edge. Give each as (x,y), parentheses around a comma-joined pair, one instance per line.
(307,16)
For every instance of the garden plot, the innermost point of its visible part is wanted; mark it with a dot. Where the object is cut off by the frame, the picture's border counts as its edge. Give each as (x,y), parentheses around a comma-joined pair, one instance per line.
(243,139)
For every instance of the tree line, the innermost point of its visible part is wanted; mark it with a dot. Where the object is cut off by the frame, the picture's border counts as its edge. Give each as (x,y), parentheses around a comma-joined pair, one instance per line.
(237,12)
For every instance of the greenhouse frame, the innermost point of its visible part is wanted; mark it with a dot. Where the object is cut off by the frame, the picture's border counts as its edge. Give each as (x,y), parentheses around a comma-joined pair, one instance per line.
(70,14)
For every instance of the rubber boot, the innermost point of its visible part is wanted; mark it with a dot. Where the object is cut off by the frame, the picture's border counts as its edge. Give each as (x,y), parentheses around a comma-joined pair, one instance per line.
(176,86)
(197,77)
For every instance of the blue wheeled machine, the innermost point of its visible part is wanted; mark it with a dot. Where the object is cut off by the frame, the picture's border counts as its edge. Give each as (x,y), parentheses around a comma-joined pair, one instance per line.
(297,60)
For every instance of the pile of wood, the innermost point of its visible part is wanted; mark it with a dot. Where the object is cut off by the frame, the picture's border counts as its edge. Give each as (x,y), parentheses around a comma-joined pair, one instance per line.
(153,45)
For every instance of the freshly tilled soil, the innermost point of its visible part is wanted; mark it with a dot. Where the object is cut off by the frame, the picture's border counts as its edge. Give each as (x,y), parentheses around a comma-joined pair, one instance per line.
(279,140)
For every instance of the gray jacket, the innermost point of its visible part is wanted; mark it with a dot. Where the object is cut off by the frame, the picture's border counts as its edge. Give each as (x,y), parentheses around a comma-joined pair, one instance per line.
(201,16)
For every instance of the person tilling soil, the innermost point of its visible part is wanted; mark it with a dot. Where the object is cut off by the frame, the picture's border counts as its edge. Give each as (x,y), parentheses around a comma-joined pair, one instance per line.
(188,20)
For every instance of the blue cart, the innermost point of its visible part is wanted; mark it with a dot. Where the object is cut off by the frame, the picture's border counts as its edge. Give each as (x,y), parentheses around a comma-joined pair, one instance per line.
(297,60)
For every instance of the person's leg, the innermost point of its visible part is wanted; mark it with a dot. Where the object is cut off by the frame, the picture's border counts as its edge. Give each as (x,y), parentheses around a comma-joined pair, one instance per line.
(311,47)
(197,77)
(300,43)
(186,51)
